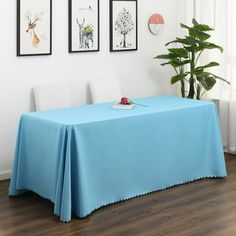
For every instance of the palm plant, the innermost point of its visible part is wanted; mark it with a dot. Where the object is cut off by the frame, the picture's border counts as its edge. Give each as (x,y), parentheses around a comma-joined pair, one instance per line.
(185,61)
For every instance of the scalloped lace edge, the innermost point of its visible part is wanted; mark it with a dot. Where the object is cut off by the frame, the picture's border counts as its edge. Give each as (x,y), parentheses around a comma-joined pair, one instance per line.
(125,198)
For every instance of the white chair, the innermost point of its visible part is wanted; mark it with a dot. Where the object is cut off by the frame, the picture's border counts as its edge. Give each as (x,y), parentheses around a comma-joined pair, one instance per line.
(105,90)
(51,96)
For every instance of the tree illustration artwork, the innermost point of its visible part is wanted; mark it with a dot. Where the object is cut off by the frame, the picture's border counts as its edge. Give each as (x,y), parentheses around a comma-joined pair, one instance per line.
(124,25)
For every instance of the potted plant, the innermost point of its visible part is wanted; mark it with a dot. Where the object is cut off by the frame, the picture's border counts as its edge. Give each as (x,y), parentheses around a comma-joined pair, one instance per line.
(185,61)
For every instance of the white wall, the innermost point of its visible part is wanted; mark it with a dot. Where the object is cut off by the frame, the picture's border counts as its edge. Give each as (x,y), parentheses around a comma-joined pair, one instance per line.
(137,72)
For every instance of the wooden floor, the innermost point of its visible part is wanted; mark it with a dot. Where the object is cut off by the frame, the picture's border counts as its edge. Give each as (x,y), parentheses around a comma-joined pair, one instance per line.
(206,207)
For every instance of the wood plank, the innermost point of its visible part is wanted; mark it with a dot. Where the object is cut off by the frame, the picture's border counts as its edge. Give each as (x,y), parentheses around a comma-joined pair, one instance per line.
(205,207)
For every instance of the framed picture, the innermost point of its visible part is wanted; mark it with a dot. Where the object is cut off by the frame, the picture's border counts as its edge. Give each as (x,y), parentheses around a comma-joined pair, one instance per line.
(34,27)
(83,25)
(123,25)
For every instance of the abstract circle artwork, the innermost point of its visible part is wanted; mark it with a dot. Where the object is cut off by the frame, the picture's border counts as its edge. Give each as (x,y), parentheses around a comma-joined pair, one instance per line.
(156,24)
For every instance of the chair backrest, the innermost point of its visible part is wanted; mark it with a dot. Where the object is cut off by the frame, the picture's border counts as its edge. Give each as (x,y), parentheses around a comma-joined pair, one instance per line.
(51,96)
(105,90)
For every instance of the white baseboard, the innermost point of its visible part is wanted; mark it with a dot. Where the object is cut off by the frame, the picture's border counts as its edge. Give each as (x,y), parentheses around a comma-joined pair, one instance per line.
(5,175)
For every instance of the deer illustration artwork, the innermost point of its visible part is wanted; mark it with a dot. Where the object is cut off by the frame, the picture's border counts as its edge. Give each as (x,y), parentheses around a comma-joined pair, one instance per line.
(31,29)
(80,32)
(85,35)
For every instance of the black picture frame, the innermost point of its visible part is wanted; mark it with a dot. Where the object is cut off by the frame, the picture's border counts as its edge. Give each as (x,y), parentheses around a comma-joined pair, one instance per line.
(119,10)
(29,16)
(84,26)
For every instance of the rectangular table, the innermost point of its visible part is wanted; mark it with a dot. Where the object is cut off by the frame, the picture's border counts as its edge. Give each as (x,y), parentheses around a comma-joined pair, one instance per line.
(83,158)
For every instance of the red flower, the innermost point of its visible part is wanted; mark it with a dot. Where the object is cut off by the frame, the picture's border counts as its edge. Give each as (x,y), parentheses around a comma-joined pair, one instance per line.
(127,101)
(124,101)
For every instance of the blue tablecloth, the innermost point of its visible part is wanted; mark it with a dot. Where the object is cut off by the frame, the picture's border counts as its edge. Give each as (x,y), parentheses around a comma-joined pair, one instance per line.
(86,157)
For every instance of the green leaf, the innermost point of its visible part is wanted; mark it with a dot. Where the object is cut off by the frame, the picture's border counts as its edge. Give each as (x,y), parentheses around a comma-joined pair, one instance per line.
(207,82)
(177,40)
(185,62)
(211,64)
(177,78)
(220,78)
(194,49)
(192,34)
(174,41)
(181,52)
(184,41)
(210,81)
(213,46)
(184,26)
(193,40)
(190,49)
(176,63)
(200,73)
(203,27)
(166,56)
(199,34)
(194,21)
(166,63)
